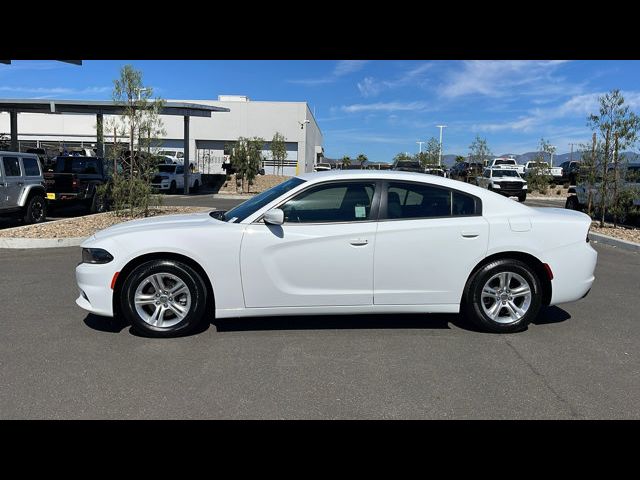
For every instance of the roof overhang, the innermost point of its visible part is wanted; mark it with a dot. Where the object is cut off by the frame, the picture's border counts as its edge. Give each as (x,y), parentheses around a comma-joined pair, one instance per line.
(89,107)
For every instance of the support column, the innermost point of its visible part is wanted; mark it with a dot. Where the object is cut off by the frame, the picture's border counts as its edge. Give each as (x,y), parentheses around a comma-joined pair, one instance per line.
(186,155)
(100,135)
(13,120)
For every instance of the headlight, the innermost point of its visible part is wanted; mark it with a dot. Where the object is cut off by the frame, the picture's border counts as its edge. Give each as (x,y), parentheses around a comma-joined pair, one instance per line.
(496,185)
(96,256)
(524,187)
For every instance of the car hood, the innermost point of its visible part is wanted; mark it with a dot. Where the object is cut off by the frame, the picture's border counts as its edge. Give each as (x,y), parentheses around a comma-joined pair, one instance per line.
(162,222)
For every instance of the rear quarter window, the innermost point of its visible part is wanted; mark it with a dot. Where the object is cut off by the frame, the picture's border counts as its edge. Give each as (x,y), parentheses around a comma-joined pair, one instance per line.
(31,167)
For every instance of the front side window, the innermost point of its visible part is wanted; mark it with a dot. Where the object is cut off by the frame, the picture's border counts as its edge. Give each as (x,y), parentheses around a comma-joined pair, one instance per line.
(413,200)
(31,167)
(11,167)
(333,202)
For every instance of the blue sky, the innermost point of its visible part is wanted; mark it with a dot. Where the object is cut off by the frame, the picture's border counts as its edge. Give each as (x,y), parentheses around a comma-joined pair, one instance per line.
(376,107)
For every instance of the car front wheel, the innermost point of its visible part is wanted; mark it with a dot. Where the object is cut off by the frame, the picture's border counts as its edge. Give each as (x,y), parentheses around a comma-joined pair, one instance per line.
(164,298)
(503,296)
(35,210)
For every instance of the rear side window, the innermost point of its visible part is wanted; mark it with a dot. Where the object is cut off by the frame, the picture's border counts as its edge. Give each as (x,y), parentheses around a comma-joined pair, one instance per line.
(11,167)
(334,202)
(31,167)
(412,200)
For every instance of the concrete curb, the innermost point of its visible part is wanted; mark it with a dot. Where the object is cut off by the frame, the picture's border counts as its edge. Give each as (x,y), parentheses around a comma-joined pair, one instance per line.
(41,242)
(615,242)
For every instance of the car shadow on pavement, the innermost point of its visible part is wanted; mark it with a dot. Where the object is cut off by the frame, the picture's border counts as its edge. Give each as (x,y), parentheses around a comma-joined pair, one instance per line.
(340,322)
(550,315)
(547,315)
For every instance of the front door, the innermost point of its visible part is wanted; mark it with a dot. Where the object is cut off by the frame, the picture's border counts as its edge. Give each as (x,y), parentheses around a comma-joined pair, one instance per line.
(322,254)
(13,181)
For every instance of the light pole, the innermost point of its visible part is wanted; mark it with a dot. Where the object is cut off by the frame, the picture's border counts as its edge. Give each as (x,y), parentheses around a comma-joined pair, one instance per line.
(440,153)
(571,154)
(552,148)
(140,90)
(420,143)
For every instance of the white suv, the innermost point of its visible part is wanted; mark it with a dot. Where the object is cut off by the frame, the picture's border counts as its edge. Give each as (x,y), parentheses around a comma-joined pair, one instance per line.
(505,182)
(22,191)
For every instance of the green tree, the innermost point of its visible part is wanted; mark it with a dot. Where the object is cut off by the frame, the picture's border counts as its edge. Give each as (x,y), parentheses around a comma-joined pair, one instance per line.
(479,151)
(278,152)
(538,175)
(618,128)
(361,159)
(346,161)
(402,157)
(141,120)
(246,159)
(431,154)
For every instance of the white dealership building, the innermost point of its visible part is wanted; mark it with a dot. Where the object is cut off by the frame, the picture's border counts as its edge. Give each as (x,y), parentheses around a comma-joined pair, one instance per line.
(207,135)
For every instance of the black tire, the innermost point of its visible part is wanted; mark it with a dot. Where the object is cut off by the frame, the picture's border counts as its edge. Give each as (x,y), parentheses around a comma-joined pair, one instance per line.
(572,203)
(97,204)
(196,187)
(473,302)
(522,197)
(35,211)
(173,188)
(187,275)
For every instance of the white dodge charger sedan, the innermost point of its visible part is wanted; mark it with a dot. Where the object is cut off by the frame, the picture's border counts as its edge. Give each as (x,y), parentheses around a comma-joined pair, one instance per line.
(337,243)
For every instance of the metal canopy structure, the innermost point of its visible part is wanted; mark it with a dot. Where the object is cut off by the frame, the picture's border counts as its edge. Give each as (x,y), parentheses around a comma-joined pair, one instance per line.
(100,108)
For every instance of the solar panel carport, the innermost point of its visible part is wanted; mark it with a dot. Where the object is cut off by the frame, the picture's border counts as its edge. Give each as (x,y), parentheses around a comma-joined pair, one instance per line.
(99,109)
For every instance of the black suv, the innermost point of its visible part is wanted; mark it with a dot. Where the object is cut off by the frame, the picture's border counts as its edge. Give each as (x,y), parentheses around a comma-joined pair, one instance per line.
(407,166)
(570,171)
(464,171)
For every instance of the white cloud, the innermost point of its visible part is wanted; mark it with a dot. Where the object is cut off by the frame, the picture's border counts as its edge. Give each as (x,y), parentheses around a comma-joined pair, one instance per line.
(341,69)
(497,78)
(55,90)
(384,107)
(370,87)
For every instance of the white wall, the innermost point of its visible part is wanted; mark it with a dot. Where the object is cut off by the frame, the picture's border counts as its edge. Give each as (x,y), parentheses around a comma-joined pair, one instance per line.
(246,119)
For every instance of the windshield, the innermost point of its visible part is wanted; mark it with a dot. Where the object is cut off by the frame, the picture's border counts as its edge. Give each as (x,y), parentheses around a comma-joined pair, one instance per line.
(167,153)
(166,168)
(505,162)
(505,173)
(254,204)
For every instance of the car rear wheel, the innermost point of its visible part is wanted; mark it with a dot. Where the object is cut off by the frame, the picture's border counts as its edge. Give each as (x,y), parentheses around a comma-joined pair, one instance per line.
(36,210)
(164,298)
(196,186)
(503,296)
(173,188)
(522,197)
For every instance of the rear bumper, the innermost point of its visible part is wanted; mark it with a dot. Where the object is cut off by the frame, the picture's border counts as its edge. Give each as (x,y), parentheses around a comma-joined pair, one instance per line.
(573,268)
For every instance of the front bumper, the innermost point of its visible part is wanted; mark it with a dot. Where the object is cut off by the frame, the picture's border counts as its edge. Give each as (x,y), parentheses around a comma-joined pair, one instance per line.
(94,284)
(161,186)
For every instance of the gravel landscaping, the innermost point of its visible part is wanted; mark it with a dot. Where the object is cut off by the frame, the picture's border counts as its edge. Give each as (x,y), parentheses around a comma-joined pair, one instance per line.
(623,233)
(87,225)
(260,184)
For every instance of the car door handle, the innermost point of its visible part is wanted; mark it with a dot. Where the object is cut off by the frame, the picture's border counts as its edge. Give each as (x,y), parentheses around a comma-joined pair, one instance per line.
(470,234)
(359,242)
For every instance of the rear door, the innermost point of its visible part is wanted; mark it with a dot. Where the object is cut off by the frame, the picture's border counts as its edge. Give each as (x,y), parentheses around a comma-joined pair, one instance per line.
(429,238)
(13,180)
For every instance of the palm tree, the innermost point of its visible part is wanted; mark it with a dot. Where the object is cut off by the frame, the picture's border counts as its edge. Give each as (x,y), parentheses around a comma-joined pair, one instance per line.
(346,161)
(361,159)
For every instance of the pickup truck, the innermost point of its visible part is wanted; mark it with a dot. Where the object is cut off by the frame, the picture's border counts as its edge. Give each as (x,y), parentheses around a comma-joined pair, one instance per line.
(170,177)
(579,195)
(503,181)
(506,163)
(74,179)
(545,169)
(570,171)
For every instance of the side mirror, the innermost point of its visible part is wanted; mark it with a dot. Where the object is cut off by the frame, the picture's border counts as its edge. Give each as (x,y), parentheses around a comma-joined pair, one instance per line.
(274,216)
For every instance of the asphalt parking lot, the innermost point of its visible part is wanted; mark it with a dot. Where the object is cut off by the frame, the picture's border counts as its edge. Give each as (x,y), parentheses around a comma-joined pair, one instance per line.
(578,361)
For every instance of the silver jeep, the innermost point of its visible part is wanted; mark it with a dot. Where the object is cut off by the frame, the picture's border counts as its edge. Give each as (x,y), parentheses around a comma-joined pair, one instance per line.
(22,190)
